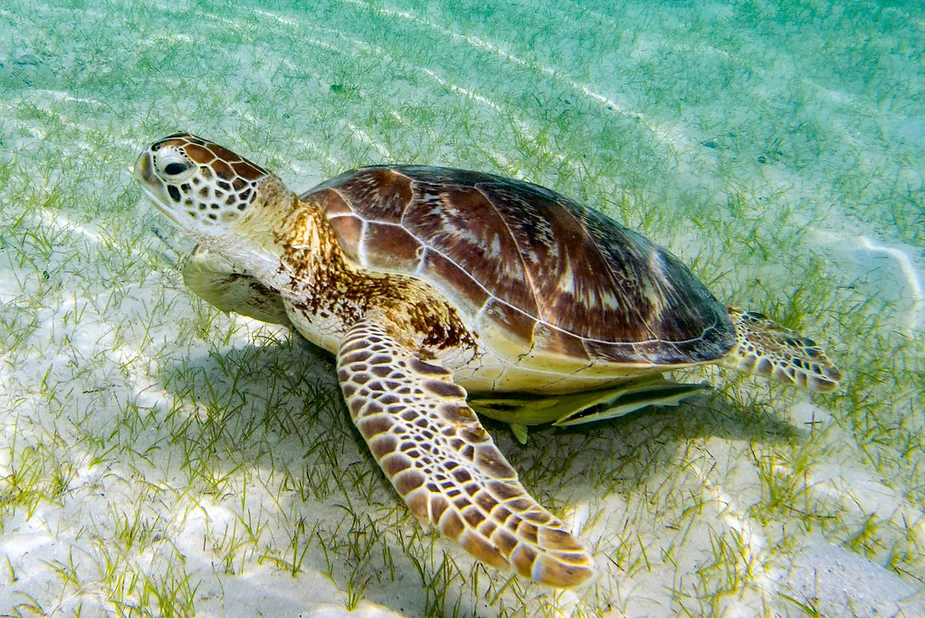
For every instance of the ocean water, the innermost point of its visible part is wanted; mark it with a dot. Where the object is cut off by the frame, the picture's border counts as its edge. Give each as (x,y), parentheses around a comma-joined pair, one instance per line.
(159,457)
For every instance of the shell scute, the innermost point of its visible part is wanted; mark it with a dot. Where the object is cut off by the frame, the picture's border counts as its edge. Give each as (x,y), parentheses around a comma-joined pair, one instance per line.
(469,293)
(391,247)
(380,191)
(349,230)
(560,343)
(462,224)
(513,321)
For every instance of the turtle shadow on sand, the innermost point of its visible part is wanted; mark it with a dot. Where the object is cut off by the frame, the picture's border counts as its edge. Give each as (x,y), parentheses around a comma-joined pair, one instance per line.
(275,419)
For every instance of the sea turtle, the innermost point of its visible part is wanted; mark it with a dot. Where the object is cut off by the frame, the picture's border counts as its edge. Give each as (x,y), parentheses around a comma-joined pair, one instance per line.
(429,282)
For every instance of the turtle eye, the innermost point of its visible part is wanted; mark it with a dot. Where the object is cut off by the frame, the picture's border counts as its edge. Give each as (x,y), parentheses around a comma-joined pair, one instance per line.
(175,169)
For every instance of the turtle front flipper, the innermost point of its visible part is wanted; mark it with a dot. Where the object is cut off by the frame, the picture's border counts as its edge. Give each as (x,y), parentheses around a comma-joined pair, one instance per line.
(216,280)
(438,457)
(764,347)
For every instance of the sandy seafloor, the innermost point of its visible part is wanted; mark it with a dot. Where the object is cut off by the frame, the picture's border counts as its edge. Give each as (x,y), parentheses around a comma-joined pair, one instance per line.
(158,457)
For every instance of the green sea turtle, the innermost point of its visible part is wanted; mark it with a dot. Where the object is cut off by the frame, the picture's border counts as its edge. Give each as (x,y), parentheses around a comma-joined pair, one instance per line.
(429,282)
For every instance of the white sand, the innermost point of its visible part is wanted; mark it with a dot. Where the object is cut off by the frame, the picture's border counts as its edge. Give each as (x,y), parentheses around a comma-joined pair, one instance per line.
(158,457)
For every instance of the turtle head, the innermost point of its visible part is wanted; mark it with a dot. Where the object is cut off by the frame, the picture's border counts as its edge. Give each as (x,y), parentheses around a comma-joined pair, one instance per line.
(202,187)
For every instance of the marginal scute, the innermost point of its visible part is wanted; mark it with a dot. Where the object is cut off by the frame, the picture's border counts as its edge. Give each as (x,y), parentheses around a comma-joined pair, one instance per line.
(332,203)
(509,320)
(560,343)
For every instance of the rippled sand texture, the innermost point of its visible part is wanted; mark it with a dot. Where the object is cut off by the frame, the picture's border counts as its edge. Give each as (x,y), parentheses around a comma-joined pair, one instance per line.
(159,457)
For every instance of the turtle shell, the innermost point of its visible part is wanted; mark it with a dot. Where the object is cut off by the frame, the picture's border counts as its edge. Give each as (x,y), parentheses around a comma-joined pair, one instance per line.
(541,278)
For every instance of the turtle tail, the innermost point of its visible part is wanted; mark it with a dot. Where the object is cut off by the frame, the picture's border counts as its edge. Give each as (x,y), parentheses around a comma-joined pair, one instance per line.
(765,348)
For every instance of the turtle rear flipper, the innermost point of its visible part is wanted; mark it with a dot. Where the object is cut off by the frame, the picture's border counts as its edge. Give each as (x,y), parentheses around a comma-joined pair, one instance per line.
(765,348)
(445,466)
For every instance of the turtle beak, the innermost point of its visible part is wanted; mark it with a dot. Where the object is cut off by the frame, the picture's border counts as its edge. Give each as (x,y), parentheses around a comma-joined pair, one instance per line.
(143,168)
(151,185)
